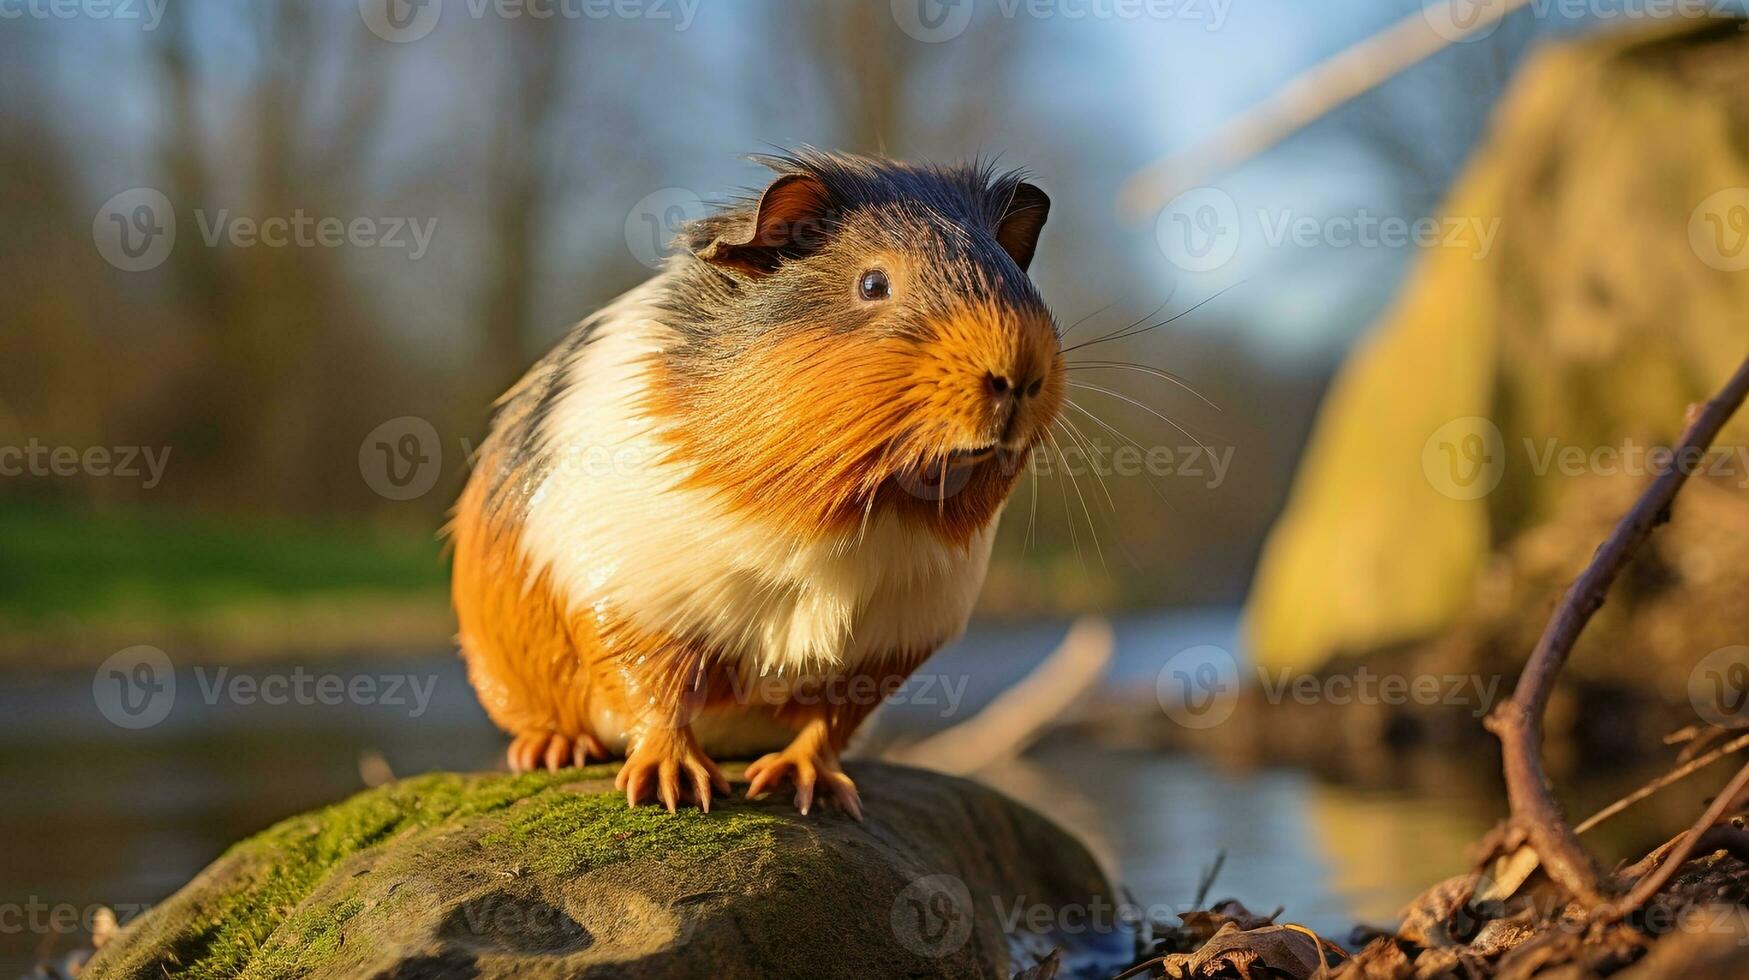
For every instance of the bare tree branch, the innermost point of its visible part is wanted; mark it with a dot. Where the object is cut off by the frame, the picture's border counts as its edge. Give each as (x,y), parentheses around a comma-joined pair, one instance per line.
(1321,88)
(1519,722)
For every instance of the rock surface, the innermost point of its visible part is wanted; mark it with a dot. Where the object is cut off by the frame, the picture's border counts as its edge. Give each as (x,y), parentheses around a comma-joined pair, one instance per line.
(1614,294)
(549,875)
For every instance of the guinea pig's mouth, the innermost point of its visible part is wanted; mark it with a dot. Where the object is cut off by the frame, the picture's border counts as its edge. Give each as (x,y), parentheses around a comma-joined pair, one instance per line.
(962,458)
(933,474)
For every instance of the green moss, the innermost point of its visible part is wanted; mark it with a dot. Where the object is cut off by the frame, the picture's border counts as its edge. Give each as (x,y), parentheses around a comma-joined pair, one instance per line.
(258,929)
(573,833)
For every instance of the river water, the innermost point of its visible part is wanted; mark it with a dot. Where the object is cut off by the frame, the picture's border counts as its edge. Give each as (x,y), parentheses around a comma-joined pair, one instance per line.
(100,814)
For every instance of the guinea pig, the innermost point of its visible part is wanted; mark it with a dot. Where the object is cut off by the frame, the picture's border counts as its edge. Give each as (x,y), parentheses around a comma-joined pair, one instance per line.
(734,509)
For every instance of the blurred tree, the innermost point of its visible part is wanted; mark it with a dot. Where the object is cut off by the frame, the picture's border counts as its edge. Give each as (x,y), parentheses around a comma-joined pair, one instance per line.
(518,183)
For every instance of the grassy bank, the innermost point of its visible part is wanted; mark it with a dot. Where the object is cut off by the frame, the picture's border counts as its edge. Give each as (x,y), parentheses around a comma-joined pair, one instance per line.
(76,581)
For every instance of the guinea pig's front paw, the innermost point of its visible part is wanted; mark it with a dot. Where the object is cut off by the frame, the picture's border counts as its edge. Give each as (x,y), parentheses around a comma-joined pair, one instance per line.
(807,769)
(662,756)
(552,751)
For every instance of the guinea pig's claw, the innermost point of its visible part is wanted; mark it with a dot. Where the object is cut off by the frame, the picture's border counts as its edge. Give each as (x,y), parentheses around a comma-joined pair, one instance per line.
(809,773)
(558,754)
(668,784)
(588,747)
(538,750)
(676,771)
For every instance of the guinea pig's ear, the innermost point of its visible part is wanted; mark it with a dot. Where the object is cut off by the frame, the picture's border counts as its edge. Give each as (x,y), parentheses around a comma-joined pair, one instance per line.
(790,221)
(1021,223)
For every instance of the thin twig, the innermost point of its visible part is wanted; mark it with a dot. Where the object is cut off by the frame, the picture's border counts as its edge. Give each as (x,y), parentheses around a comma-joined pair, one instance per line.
(1723,837)
(1673,776)
(1208,879)
(1519,722)
(1653,883)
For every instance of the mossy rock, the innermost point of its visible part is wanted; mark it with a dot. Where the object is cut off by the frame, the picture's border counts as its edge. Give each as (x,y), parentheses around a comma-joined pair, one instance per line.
(550,875)
(1616,173)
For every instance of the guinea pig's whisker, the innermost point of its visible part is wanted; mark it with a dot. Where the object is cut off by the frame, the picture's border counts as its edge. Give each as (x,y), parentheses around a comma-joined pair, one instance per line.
(1070,328)
(1116,334)
(1068,511)
(1145,408)
(1134,330)
(1092,529)
(1121,435)
(1145,369)
(1098,460)
(1032,510)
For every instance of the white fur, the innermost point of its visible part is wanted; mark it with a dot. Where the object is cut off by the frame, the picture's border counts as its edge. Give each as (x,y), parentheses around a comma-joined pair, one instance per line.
(617,530)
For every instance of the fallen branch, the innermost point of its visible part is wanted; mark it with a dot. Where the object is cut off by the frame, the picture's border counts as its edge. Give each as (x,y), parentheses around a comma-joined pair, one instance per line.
(1519,722)
(1024,712)
(1655,882)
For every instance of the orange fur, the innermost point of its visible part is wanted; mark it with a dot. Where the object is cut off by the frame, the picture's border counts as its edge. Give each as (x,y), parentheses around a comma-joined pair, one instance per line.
(540,667)
(815,430)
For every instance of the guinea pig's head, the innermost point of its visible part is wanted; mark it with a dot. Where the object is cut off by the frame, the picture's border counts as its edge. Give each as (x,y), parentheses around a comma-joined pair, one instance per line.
(864,337)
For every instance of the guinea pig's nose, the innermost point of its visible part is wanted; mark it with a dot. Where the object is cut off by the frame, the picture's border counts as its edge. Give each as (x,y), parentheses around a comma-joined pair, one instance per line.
(1000,384)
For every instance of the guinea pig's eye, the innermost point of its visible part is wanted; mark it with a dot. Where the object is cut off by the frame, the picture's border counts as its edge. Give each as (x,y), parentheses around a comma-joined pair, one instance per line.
(873,285)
